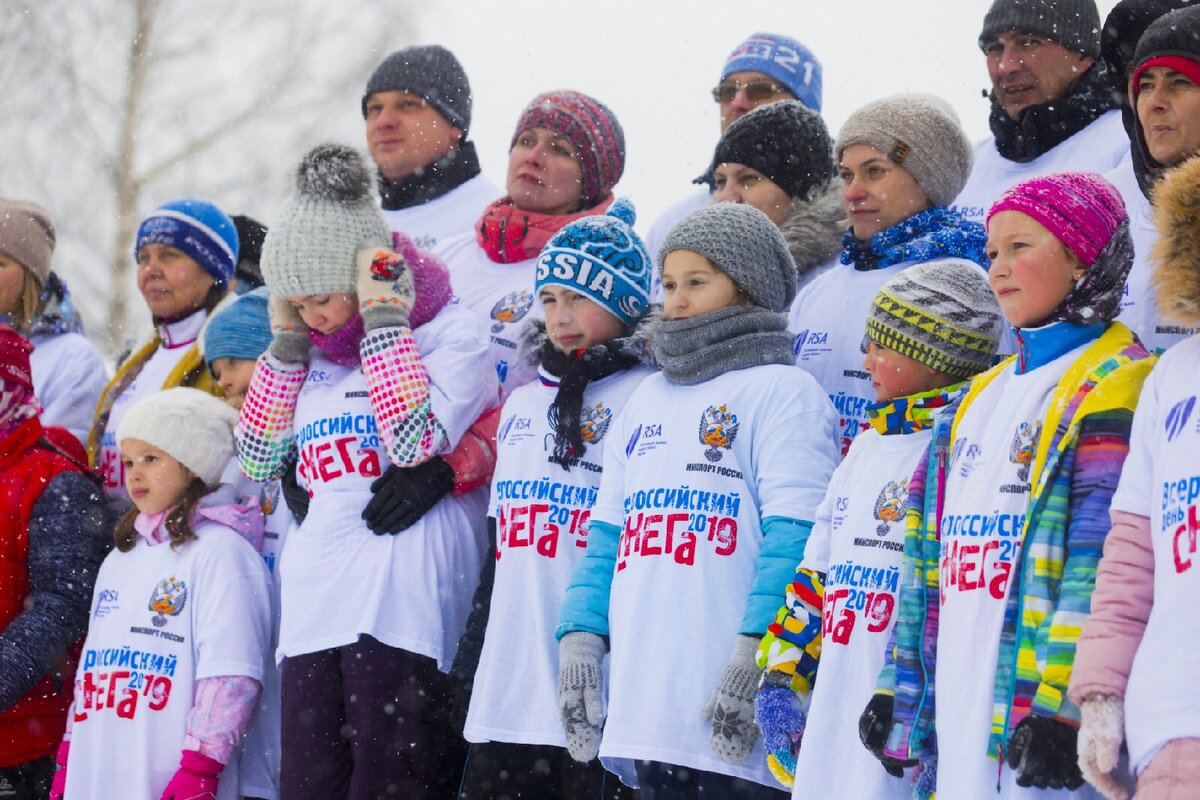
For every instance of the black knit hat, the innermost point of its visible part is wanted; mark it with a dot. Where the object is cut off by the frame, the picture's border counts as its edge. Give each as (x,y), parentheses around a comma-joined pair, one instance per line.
(430,71)
(1123,27)
(1075,24)
(785,141)
(251,233)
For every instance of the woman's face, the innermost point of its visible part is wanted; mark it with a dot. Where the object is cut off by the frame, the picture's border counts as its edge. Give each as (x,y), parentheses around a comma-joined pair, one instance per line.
(171,282)
(1168,109)
(324,313)
(12,284)
(692,286)
(737,183)
(878,193)
(543,175)
(1032,272)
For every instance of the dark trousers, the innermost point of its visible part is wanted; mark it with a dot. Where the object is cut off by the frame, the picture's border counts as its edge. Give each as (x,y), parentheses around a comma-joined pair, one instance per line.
(669,782)
(28,781)
(367,721)
(498,770)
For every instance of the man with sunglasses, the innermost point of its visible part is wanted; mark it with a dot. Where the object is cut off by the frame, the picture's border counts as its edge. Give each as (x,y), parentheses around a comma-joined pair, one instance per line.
(1053,108)
(766,68)
(417,107)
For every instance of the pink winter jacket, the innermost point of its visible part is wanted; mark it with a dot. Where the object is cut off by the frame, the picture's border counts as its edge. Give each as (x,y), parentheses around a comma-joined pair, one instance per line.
(1121,606)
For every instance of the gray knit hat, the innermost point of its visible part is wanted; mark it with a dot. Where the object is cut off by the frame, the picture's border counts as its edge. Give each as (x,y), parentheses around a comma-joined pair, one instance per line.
(921,133)
(743,243)
(1075,24)
(939,313)
(191,426)
(27,236)
(311,247)
(430,71)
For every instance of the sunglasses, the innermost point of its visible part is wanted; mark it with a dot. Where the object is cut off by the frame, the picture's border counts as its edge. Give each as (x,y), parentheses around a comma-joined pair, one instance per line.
(756,91)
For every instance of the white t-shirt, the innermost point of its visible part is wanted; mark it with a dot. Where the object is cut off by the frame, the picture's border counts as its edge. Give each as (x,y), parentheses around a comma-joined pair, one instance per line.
(339,580)
(444,217)
(858,542)
(983,518)
(690,472)
(829,320)
(177,339)
(1161,480)
(501,297)
(1138,309)
(259,774)
(68,378)
(1097,148)
(162,619)
(542,516)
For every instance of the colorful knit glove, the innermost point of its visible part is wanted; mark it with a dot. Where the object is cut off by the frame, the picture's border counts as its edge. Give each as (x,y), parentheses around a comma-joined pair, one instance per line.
(58,786)
(580,681)
(196,778)
(731,708)
(385,289)
(873,728)
(1045,754)
(1101,731)
(780,715)
(290,342)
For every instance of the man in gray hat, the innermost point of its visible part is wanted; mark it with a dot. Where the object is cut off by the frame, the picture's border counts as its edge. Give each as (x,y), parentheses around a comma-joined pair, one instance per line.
(417,106)
(1053,109)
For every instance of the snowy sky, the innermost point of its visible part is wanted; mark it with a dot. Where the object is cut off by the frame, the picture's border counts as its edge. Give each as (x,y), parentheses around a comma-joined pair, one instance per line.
(653,63)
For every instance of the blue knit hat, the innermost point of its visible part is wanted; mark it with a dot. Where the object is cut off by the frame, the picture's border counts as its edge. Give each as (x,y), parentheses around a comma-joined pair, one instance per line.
(785,60)
(198,228)
(241,330)
(601,258)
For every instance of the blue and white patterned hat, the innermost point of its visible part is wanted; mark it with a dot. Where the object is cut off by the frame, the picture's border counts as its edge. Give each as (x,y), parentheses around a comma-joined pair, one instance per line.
(198,228)
(601,258)
(782,58)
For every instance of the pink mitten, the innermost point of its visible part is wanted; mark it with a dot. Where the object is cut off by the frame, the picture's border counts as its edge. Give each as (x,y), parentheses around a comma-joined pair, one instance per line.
(58,786)
(196,778)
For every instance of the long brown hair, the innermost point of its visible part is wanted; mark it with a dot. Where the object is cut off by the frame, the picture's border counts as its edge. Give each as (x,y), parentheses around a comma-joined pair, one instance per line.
(176,522)
(29,304)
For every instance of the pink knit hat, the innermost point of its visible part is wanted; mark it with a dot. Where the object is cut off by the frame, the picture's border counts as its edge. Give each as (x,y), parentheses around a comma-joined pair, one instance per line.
(1081,209)
(431,280)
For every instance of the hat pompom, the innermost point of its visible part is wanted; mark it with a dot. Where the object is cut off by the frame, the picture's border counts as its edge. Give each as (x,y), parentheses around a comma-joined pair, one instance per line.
(622,208)
(334,172)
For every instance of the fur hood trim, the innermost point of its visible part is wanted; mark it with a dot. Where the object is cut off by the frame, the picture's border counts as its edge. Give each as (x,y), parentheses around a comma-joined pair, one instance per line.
(814,227)
(1175,255)
(635,343)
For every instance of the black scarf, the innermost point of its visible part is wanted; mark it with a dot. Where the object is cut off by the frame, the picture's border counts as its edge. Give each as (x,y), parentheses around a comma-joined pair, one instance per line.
(448,172)
(1040,128)
(691,351)
(575,371)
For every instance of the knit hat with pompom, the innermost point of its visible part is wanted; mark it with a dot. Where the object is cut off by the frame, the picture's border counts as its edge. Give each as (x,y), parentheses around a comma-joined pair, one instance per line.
(601,258)
(328,218)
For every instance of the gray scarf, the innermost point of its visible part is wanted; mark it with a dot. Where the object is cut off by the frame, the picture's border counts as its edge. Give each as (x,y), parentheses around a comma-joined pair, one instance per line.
(692,351)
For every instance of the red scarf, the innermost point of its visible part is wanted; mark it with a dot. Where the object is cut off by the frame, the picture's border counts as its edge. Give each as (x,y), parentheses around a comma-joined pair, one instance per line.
(508,234)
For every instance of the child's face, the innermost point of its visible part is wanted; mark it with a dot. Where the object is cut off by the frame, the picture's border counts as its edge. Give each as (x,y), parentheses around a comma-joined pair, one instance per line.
(692,285)
(234,376)
(325,313)
(894,375)
(154,480)
(573,322)
(1031,272)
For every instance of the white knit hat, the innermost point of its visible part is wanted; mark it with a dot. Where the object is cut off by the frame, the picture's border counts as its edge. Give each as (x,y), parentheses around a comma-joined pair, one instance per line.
(311,246)
(192,427)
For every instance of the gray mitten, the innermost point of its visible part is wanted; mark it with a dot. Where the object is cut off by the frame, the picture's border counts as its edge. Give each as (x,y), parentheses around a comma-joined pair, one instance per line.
(731,709)
(580,679)
(289,342)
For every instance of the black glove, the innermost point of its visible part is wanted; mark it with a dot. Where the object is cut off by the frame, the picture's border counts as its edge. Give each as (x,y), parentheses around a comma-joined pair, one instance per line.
(402,495)
(294,494)
(873,727)
(1045,754)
